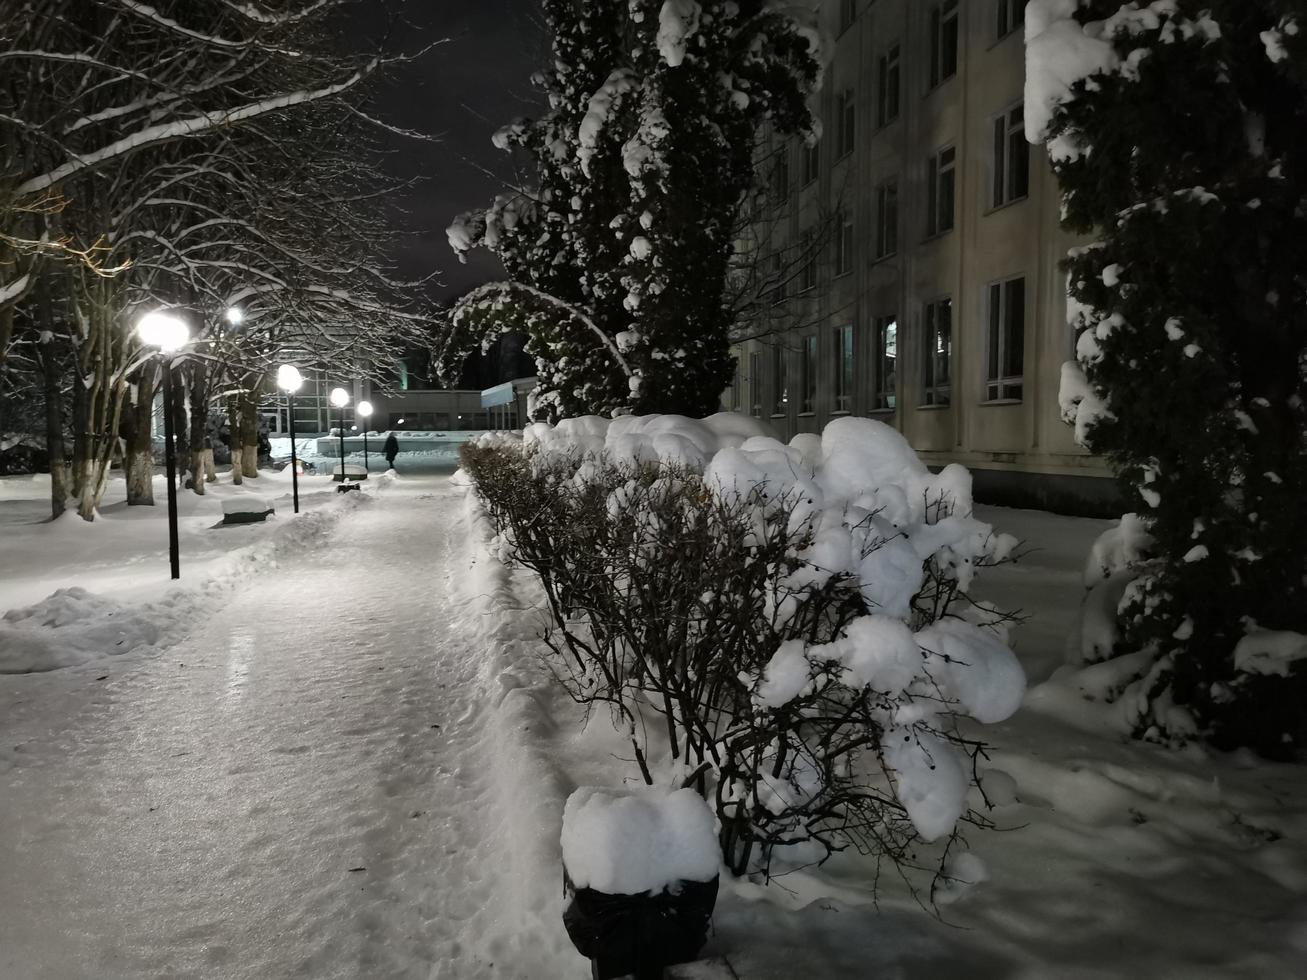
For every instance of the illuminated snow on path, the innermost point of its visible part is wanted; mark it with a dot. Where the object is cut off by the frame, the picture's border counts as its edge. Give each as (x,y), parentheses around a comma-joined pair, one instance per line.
(302,787)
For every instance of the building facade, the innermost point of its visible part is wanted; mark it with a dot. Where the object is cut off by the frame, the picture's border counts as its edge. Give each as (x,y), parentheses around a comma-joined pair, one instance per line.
(933,299)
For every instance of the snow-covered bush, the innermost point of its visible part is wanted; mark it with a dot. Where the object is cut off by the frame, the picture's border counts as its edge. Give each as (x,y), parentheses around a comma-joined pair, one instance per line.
(786,628)
(1176,129)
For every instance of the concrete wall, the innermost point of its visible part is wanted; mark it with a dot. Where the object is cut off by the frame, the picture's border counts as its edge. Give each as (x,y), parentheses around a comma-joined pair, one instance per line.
(1020,442)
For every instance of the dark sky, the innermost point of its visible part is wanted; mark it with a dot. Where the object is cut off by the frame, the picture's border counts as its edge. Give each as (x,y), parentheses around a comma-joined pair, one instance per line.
(462,91)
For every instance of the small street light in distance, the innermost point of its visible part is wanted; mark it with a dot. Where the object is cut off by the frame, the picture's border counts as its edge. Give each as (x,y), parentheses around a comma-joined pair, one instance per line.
(339,397)
(234,316)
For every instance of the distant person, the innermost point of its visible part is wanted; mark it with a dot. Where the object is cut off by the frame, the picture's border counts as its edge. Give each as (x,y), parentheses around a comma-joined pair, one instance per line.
(391,450)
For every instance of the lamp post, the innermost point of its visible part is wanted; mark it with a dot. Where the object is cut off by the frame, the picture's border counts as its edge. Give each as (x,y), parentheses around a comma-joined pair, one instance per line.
(340,398)
(364,411)
(169,334)
(289,381)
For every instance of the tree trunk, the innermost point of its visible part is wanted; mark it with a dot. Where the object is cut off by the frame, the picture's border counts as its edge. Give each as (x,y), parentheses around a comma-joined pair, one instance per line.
(102,351)
(210,469)
(138,462)
(51,378)
(201,453)
(250,429)
(234,429)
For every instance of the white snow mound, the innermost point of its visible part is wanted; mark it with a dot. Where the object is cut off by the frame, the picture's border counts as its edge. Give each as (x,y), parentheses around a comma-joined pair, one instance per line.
(629,842)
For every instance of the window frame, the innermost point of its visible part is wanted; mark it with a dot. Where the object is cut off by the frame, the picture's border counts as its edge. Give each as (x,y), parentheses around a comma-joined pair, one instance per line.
(848,15)
(847,123)
(810,164)
(936,170)
(779,190)
(1011,17)
(809,361)
(780,379)
(845,242)
(1009,184)
(755,384)
(846,365)
(737,384)
(890,66)
(944,23)
(1005,379)
(887,232)
(885,384)
(808,271)
(777,294)
(936,393)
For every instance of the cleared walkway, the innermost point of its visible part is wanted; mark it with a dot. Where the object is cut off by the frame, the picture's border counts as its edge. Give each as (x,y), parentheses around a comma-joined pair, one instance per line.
(299,789)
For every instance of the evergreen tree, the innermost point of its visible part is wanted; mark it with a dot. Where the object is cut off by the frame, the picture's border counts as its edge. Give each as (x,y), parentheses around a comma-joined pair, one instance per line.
(1178,131)
(618,257)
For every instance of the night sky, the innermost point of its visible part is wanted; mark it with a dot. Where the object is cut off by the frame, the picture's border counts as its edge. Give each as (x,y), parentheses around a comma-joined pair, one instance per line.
(461,91)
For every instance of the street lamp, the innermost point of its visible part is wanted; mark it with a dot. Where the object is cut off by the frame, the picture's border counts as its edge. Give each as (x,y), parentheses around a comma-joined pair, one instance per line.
(364,411)
(289,381)
(340,398)
(169,334)
(234,315)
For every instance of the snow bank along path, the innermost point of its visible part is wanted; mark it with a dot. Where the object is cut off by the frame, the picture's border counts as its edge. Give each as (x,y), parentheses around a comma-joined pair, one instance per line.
(313,784)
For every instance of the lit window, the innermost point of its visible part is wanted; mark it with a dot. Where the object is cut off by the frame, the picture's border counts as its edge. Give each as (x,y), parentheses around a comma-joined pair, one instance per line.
(1011,157)
(936,380)
(887,355)
(1005,361)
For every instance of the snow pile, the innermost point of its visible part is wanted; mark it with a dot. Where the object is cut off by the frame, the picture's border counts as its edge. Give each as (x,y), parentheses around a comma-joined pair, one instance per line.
(678,22)
(638,841)
(247,503)
(71,627)
(1274,652)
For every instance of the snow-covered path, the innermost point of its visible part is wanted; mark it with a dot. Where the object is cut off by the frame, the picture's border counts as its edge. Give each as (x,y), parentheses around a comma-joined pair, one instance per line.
(298,789)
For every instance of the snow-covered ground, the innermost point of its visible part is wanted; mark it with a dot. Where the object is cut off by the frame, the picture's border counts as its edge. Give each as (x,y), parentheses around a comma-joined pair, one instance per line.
(342,758)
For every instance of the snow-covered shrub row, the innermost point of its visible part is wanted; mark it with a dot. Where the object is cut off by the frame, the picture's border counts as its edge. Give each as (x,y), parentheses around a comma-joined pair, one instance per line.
(798,615)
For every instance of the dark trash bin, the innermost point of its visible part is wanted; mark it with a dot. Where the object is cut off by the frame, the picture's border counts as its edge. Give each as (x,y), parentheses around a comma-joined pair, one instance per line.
(638,935)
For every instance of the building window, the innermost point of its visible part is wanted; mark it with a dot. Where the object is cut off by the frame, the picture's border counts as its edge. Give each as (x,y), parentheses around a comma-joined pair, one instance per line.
(847,117)
(940,188)
(888,106)
(943,41)
(776,278)
(780,382)
(1007,341)
(848,14)
(780,176)
(808,270)
(844,246)
(887,358)
(737,396)
(936,382)
(844,368)
(811,162)
(1011,157)
(755,383)
(808,375)
(887,219)
(1011,15)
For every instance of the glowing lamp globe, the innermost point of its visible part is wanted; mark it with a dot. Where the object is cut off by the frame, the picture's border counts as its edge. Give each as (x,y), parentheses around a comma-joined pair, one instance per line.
(164,331)
(289,378)
(339,397)
(235,316)
(363,409)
